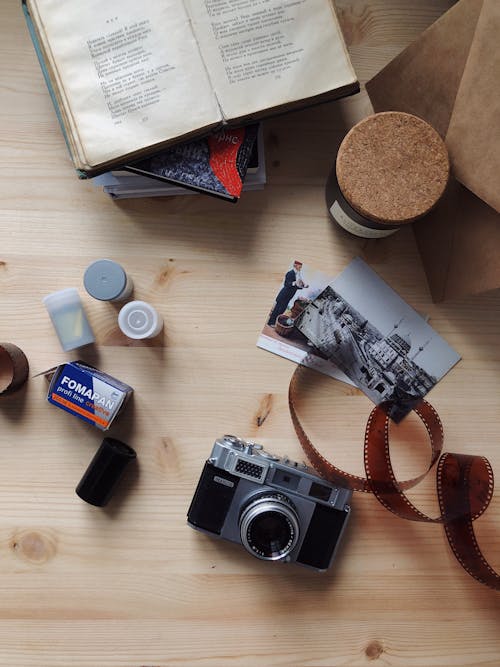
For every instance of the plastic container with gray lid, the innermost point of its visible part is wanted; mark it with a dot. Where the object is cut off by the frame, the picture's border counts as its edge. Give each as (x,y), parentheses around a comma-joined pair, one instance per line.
(106,280)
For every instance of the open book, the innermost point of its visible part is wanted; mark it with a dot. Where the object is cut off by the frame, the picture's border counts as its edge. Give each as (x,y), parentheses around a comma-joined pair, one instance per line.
(129,78)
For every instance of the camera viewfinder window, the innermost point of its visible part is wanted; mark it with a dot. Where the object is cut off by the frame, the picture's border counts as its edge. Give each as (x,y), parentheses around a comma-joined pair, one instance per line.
(286,479)
(319,491)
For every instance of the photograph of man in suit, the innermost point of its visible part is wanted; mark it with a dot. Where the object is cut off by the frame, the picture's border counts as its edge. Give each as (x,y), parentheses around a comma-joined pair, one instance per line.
(293,282)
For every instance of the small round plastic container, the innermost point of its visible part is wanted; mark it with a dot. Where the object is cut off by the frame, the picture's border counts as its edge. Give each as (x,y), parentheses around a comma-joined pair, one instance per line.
(69,319)
(138,319)
(106,280)
(104,472)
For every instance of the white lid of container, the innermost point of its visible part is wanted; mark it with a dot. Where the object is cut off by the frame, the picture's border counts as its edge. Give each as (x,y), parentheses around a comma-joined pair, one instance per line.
(61,298)
(138,319)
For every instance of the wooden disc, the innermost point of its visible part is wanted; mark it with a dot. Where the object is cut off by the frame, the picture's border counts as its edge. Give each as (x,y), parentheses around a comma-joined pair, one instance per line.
(392,167)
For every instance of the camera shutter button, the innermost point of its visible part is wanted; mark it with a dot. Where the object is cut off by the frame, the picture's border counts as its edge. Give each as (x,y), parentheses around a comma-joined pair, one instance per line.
(251,446)
(235,442)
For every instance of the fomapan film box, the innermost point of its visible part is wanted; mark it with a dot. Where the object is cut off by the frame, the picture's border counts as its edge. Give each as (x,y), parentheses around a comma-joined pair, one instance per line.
(87,393)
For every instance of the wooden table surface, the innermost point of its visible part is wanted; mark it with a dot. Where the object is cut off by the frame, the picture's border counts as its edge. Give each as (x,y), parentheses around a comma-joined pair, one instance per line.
(131,585)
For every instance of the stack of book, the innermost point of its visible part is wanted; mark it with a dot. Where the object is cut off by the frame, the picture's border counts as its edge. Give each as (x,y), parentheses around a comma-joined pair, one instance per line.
(153,90)
(222,165)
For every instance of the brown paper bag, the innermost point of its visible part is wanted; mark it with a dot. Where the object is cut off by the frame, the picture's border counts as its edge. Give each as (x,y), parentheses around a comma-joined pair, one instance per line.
(449,77)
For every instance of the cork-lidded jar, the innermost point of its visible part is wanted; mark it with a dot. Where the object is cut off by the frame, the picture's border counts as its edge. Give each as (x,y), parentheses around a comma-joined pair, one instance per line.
(391,169)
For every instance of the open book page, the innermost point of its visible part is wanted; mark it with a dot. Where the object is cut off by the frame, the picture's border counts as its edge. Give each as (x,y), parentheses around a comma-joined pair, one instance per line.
(266,53)
(131,73)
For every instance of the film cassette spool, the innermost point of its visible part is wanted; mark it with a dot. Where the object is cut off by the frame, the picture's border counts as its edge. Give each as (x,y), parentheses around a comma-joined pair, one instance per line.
(464,483)
(14,368)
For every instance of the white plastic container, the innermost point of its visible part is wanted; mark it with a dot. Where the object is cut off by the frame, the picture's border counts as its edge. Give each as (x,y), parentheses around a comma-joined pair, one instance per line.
(138,319)
(69,319)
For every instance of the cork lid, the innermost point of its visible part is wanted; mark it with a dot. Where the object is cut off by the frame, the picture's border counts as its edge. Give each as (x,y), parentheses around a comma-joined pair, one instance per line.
(392,167)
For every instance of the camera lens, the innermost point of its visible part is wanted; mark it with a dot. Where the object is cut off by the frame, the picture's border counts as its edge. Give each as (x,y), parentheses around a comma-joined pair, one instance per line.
(269,527)
(269,534)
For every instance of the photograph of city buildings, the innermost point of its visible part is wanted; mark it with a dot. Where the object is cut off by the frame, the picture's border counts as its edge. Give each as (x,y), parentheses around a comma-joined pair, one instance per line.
(358,329)
(385,367)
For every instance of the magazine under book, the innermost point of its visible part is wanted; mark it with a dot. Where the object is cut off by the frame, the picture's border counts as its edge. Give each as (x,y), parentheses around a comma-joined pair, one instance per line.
(215,165)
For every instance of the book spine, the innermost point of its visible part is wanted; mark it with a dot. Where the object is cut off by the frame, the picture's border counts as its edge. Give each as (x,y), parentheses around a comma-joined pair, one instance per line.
(48,83)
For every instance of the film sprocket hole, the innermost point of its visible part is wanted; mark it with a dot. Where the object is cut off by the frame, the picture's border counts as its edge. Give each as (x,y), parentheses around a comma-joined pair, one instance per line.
(278,509)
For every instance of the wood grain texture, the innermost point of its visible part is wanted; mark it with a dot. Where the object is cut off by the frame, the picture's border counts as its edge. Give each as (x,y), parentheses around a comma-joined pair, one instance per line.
(131,585)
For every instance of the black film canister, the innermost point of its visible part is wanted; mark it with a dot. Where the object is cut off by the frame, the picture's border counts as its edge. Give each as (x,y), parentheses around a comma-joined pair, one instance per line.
(99,480)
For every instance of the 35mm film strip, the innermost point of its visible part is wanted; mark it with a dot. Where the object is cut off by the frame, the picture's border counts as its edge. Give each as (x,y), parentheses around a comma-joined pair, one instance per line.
(464,483)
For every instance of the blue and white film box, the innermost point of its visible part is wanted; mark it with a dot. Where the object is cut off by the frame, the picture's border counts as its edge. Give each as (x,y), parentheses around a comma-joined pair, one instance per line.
(87,393)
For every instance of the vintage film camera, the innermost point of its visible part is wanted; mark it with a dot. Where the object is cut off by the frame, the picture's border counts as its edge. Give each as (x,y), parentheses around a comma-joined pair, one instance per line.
(278,509)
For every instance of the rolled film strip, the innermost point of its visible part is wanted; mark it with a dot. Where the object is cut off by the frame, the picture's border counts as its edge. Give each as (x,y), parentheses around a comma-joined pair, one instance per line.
(464,483)
(14,368)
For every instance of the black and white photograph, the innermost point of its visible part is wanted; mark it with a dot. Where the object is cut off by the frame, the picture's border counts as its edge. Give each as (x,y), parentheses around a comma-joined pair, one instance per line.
(384,346)
(357,329)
